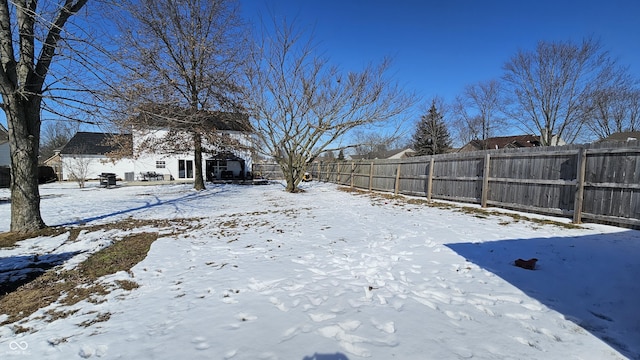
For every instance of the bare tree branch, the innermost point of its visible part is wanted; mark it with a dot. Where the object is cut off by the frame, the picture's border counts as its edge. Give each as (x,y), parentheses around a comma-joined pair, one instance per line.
(548,87)
(182,61)
(301,105)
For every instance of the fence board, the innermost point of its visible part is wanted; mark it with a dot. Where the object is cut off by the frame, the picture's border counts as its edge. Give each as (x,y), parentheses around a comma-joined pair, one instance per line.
(543,180)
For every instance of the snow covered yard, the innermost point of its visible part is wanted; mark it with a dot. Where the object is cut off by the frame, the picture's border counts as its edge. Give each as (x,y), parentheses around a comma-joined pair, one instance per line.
(331,275)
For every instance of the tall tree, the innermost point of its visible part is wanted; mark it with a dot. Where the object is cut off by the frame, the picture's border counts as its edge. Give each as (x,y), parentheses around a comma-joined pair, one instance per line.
(368,142)
(548,87)
(55,135)
(614,107)
(301,105)
(431,136)
(183,63)
(29,38)
(477,110)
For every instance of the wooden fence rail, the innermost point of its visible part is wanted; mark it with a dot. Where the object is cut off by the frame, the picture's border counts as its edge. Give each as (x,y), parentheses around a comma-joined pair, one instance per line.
(596,182)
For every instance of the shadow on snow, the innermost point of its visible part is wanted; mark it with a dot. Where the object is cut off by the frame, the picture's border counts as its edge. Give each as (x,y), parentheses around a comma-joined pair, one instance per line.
(16,271)
(591,280)
(194,195)
(336,356)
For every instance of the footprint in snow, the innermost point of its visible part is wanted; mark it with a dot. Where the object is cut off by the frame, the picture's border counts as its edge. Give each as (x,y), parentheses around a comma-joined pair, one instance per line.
(200,343)
(281,306)
(246,317)
(230,354)
(388,327)
(321,317)
(87,351)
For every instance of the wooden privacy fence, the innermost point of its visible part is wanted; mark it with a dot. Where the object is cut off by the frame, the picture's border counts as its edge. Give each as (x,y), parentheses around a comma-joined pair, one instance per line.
(598,182)
(267,171)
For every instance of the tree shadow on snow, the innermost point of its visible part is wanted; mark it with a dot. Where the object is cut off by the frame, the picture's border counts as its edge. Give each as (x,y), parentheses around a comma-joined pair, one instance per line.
(16,271)
(336,356)
(591,280)
(148,204)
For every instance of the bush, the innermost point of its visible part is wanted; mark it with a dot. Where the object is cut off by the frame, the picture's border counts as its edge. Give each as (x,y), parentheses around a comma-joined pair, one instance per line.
(5,177)
(46,174)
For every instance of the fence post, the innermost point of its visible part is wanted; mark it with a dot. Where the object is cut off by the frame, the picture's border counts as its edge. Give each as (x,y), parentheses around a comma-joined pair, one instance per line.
(430,178)
(485,181)
(581,174)
(371,177)
(339,176)
(397,184)
(353,168)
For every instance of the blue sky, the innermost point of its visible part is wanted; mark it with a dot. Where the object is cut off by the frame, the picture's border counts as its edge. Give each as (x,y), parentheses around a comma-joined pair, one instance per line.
(440,46)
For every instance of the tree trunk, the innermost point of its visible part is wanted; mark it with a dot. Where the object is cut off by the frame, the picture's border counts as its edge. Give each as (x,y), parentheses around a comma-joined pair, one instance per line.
(292,176)
(292,187)
(198,183)
(23,120)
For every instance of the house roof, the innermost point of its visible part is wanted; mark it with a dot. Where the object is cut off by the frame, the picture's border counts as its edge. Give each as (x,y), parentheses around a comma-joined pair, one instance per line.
(623,136)
(180,118)
(92,143)
(381,154)
(503,142)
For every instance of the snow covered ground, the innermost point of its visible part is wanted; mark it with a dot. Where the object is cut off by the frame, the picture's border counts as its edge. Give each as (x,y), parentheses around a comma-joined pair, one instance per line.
(330,275)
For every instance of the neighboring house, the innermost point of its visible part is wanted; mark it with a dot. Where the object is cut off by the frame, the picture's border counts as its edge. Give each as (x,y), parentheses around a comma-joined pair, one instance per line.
(507,142)
(5,159)
(623,136)
(55,162)
(388,154)
(92,154)
(86,155)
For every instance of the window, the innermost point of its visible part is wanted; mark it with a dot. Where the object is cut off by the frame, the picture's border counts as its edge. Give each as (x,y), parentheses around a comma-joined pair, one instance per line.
(185,169)
(160,164)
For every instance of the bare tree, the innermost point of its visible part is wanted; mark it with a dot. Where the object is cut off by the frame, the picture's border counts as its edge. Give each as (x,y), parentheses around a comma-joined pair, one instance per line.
(548,87)
(368,142)
(77,167)
(477,110)
(29,38)
(615,106)
(55,135)
(182,61)
(302,106)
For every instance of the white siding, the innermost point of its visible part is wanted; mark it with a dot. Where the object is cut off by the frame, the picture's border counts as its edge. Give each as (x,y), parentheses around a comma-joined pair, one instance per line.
(95,165)
(146,162)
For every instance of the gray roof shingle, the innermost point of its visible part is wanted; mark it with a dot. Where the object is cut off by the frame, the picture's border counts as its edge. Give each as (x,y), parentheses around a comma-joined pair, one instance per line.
(623,136)
(91,143)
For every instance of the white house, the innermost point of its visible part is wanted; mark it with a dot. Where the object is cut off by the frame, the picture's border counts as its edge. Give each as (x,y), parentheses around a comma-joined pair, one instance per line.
(5,159)
(90,154)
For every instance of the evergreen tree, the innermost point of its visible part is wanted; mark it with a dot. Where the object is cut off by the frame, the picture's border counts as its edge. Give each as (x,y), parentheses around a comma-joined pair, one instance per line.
(431,136)
(341,155)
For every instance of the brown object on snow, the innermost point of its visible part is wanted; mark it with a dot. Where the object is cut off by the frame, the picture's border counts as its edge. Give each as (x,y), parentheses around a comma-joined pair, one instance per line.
(526,264)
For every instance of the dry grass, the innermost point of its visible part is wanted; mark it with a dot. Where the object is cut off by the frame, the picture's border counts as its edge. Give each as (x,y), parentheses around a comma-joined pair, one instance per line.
(69,287)
(122,255)
(9,239)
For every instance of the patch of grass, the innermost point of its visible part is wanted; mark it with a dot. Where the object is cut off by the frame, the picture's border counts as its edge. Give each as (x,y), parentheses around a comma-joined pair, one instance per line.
(54,314)
(352,190)
(127,285)
(17,329)
(9,239)
(122,255)
(69,287)
(100,318)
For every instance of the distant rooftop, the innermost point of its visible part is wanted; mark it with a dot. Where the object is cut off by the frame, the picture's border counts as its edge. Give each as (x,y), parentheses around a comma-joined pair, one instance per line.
(91,143)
